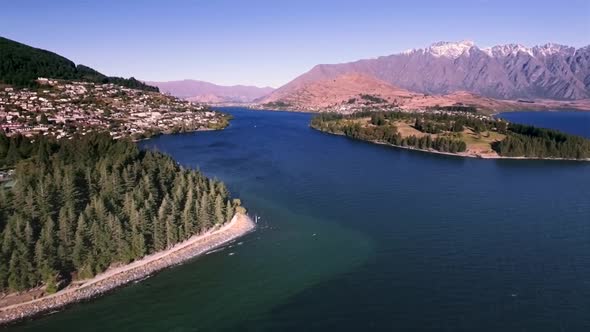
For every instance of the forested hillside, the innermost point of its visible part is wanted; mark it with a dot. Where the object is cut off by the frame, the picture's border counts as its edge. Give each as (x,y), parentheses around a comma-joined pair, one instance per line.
(21,65)
(79,206)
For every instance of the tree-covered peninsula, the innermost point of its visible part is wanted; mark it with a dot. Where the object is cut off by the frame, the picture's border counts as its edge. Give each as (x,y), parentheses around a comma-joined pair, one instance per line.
(75,207)
(460,133)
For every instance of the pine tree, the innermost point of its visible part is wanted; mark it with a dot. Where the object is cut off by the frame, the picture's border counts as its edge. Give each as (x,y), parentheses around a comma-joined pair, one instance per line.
(138,244)
(171,232)
(15,280)
(204,216)
(43,150)
(13,155)
(188,215)
(79,251)
(160,229)
(229,211)
(219,216)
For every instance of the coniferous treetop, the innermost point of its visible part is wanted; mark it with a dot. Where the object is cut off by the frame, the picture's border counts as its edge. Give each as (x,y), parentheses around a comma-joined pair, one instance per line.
(79,206)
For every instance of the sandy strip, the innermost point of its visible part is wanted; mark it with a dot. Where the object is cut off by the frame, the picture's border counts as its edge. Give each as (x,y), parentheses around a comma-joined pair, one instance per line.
(113,278)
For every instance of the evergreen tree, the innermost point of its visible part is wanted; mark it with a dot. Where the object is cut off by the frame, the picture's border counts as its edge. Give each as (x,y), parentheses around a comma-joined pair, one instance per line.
(95,203)
(204,215)
(229,211)
(188,216)
(219,207)
(80,248)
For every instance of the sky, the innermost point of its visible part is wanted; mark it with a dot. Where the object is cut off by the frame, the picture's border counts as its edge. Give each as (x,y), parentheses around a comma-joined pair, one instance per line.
(269,43)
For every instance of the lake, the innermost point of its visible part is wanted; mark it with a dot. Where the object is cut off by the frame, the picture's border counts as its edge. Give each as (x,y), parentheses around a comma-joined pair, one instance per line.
(361,237)
(572,122)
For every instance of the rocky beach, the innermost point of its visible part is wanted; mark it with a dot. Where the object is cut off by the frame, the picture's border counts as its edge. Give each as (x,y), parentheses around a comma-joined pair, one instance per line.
(240,225)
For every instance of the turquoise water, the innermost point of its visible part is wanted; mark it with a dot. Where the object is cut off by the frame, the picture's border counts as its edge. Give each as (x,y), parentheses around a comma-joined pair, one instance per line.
(355,236)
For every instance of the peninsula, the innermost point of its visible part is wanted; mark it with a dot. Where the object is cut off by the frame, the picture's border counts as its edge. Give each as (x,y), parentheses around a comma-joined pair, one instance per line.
(456,131)
(80,217)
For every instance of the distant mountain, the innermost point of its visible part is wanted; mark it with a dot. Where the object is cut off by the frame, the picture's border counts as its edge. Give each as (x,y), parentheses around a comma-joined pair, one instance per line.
(330,93)
(350,92)
(206,92)
(510,71)
(21,65)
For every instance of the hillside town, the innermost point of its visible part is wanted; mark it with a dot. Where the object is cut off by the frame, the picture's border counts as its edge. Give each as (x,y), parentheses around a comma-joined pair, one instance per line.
(62,108)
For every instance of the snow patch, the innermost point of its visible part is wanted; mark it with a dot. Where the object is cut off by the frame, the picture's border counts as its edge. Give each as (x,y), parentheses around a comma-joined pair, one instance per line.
(551,48)
(450,49)
(454,50)
(508,49)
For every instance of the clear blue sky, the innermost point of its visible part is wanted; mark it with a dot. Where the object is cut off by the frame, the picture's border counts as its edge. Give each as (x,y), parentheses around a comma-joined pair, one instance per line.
(271,42)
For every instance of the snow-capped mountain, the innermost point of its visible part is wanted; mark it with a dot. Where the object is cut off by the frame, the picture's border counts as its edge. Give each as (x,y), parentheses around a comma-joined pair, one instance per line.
(446,49)
(511,71)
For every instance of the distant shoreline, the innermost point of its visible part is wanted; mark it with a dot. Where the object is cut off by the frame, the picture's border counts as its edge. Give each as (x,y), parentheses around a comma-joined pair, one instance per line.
(136,140)
(518,107)
(459,154)
(114,278)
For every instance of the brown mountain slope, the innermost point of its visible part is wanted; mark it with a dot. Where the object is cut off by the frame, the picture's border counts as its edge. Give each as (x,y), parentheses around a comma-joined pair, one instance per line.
(329,93)
(351,92)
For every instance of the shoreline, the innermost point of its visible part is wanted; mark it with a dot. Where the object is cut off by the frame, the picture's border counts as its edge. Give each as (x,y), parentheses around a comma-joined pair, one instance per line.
(520,107)
(109,280)
(461,155)
(180,132)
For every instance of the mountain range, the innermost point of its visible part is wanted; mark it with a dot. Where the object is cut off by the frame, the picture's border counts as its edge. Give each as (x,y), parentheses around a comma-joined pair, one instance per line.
(511,71)
(353,91)
(205,92)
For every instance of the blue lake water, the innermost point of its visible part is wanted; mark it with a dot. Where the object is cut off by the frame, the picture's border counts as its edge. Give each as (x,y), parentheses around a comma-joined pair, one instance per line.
(575,123)
(361,237)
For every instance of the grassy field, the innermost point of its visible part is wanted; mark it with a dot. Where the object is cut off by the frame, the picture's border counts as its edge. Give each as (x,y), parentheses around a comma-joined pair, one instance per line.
(476,143)
(406,129)
(481,143)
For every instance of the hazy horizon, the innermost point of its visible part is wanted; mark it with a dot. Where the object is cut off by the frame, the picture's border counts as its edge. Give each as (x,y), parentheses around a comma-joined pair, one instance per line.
(265,43)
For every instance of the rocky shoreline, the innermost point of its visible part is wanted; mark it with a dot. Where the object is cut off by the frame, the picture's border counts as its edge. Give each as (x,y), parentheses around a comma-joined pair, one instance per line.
(240,225)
